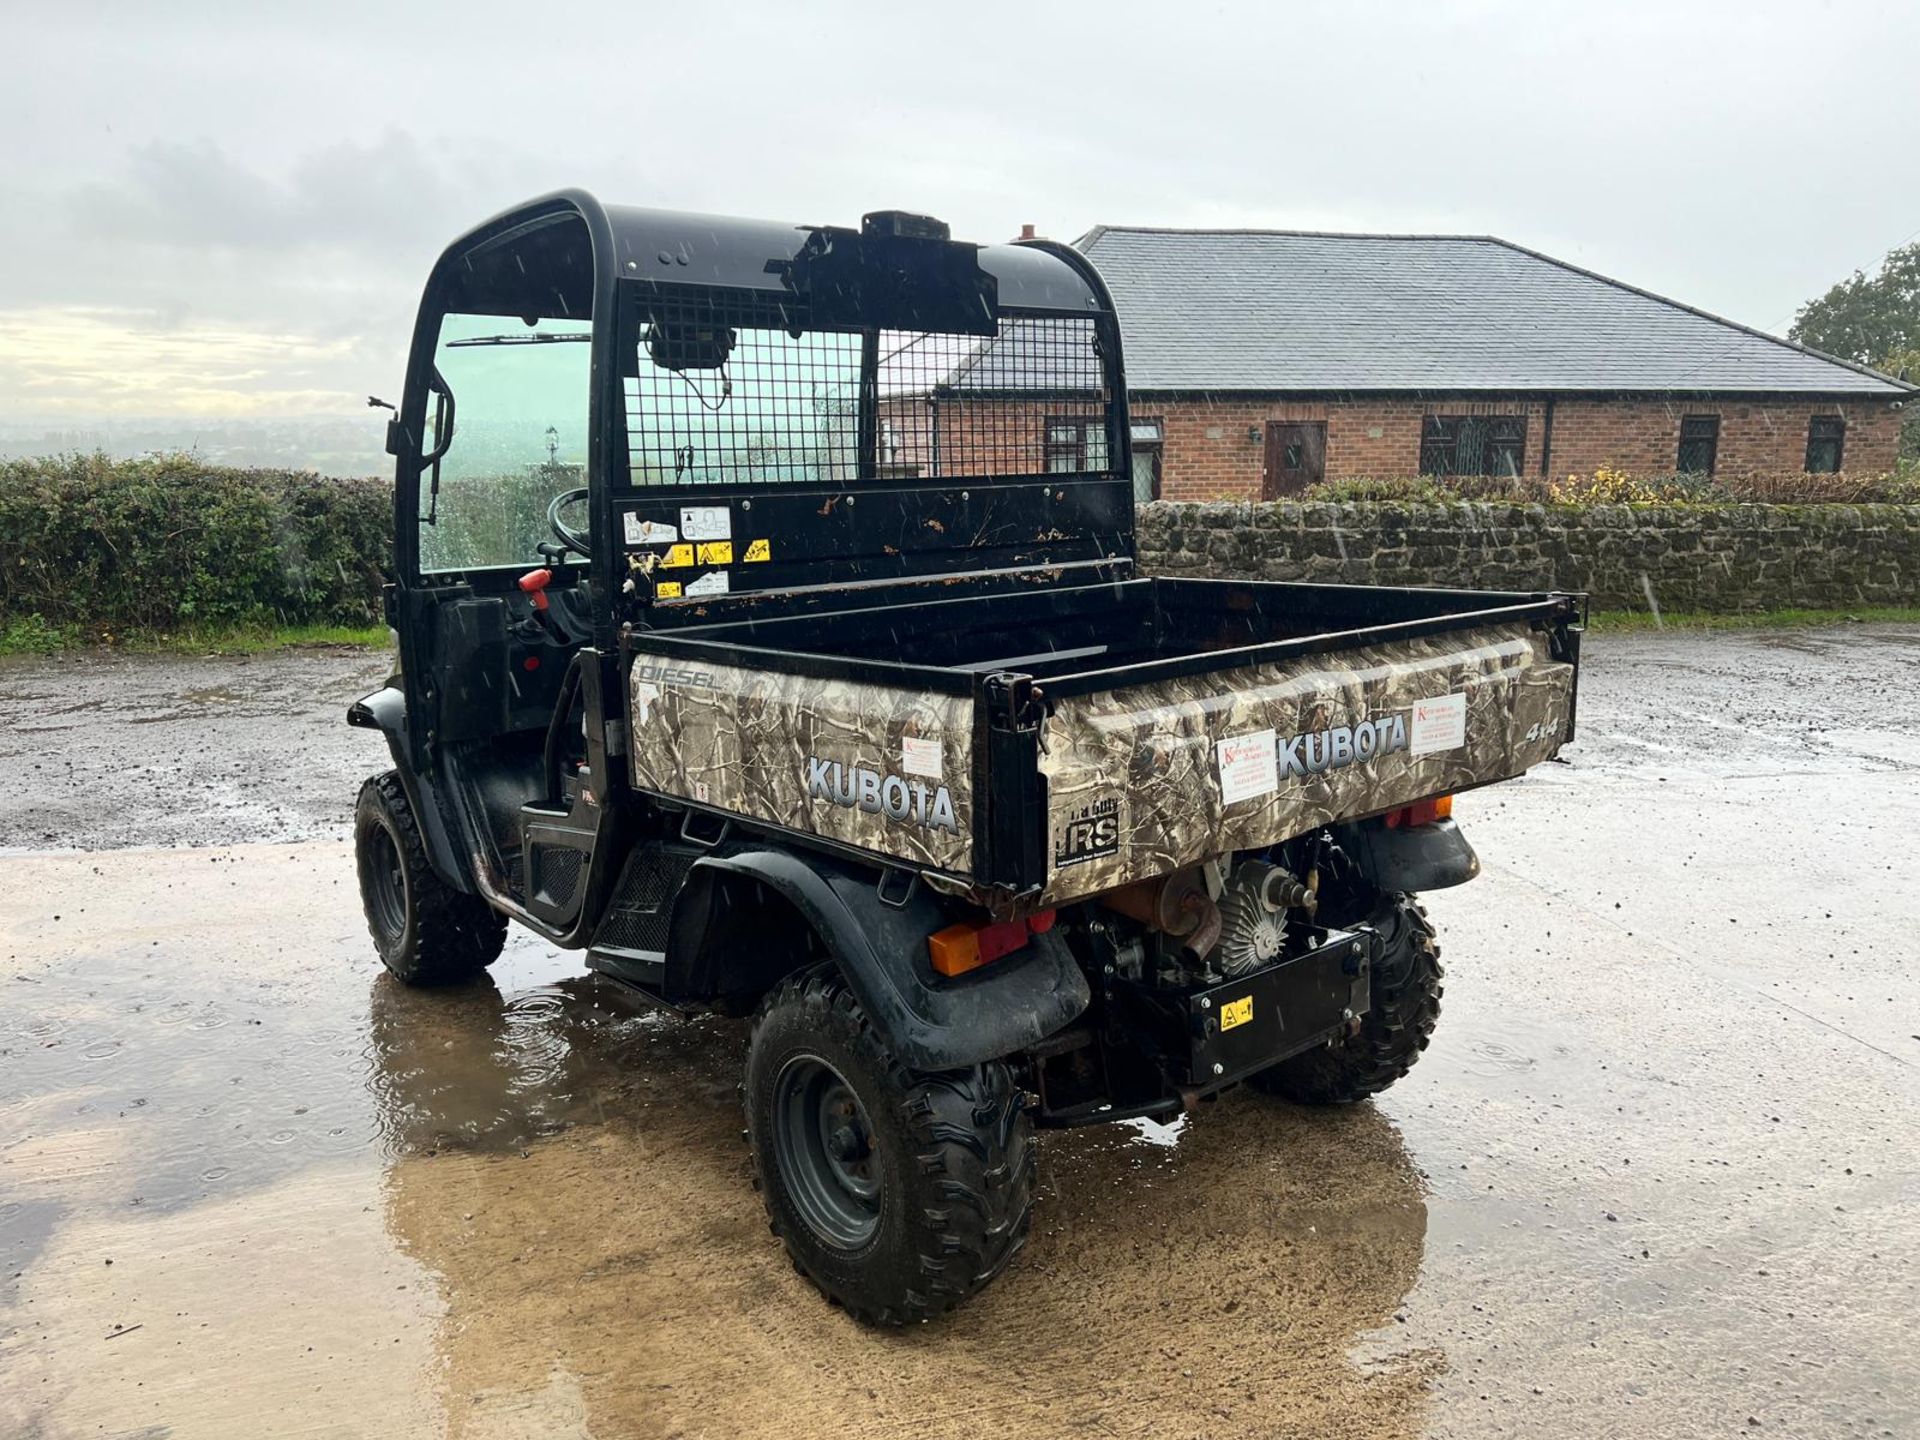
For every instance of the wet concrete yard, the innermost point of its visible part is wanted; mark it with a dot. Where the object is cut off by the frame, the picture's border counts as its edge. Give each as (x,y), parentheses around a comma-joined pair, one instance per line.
(1657,1175)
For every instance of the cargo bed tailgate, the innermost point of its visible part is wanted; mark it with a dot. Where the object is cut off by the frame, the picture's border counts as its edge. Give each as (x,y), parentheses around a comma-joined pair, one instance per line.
(1145,778)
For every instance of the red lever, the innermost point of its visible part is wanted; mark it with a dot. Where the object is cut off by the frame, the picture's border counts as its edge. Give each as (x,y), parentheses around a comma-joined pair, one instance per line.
(533,585)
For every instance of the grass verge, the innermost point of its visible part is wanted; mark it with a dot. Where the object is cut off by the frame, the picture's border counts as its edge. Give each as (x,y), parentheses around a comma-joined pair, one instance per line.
(1608,622)
(30,635)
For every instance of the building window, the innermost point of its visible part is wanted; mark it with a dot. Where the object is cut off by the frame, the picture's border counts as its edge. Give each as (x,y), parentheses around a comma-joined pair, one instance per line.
(1826,436)
(1075,445)
(1473,444)
(1699,444)
(1149,438)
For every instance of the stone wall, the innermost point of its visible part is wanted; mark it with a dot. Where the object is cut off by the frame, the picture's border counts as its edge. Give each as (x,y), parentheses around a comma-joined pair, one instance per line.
(1690,557)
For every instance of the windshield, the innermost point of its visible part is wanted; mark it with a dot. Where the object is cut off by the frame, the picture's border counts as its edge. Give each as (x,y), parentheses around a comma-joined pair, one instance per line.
(518,438)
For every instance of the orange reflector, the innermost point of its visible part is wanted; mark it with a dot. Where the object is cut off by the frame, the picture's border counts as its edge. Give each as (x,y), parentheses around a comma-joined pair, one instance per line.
(955,950)
(1421,812)
(969,945)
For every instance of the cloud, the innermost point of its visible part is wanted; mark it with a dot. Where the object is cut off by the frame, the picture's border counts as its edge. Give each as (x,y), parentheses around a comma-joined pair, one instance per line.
(289,174)
(59,362)
(189,282)
(375,202)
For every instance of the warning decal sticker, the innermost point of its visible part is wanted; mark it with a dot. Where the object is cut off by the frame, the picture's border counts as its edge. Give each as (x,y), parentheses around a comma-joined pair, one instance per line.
(706,522)
(647,532)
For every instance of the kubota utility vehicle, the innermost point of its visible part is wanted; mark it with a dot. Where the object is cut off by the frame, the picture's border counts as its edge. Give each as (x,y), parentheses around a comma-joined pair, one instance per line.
(769,629)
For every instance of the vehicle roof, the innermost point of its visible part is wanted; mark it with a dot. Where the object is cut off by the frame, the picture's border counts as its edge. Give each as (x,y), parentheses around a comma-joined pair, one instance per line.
(675,247)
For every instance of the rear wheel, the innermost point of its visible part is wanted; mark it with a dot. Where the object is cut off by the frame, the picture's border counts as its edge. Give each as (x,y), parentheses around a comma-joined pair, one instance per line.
(1405,994)
(897,1194)
(427,932)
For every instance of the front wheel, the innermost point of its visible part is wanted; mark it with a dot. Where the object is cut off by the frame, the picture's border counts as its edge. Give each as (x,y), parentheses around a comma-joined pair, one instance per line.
(897,1194)
(1405,995)
(427,932)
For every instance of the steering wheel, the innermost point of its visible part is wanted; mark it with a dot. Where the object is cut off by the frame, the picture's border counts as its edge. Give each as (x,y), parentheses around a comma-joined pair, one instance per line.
(575,540)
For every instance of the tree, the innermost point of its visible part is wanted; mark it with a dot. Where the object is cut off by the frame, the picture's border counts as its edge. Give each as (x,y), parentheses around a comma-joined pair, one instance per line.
(1870,319)
(1873,320)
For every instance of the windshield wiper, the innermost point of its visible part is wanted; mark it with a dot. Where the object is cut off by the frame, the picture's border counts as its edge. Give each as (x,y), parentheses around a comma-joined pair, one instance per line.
(518,340)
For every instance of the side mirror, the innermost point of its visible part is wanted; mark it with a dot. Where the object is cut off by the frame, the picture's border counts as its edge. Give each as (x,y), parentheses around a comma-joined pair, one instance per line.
(396,437)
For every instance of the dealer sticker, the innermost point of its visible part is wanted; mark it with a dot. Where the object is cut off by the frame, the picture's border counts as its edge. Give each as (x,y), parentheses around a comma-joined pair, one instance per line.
(1248,766)
(1438,725)
(921,756)
(1236,1012)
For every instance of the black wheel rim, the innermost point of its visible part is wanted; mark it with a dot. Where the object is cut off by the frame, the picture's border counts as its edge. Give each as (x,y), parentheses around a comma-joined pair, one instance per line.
(823,1144)
(385,884)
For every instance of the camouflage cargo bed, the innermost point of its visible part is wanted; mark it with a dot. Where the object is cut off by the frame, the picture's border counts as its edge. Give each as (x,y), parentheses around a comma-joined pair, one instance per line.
(1058,743)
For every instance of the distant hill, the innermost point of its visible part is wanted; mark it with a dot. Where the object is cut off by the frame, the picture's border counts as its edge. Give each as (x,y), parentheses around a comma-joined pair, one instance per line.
(329,444)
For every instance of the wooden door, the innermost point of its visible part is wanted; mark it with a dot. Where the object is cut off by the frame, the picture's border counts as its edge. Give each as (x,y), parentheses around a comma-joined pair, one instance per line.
(1296,457)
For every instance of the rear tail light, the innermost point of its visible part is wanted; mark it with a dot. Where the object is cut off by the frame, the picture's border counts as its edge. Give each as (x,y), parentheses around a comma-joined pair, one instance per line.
(969,945)
(1421,812)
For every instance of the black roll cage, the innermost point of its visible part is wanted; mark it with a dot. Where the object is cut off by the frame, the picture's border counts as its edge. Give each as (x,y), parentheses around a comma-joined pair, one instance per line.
(568,256)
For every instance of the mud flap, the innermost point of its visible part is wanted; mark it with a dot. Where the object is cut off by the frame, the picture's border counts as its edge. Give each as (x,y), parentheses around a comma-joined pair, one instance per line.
(1420,858)
(385,710)
(927,1021)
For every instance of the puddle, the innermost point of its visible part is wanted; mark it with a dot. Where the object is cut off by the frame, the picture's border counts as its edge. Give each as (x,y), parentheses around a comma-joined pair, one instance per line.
(249,1185)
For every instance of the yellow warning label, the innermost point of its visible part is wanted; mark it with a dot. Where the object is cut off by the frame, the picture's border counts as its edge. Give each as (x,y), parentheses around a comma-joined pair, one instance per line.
(1236,1012)
(716,552)
(677,555)
(667,590)
(758,550)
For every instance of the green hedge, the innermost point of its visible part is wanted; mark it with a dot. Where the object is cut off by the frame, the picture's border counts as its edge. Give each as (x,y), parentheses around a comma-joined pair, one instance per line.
(161,543)
(108,547)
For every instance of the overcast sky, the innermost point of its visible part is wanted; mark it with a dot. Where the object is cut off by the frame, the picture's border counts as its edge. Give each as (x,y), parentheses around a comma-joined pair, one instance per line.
(214,209)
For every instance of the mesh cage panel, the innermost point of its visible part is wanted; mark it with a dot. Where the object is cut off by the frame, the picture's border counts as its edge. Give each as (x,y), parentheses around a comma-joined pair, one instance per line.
(641,914)
(556,872)
(733,393)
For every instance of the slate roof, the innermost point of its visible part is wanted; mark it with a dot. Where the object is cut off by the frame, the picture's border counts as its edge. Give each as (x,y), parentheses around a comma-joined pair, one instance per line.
(1264,310)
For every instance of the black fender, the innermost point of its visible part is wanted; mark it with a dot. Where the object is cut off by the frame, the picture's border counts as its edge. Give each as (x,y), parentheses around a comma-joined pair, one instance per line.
(385,710)
(1413,858)
(928,1021)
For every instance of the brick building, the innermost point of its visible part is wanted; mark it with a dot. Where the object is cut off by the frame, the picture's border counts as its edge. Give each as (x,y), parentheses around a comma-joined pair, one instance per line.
(1263,361)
